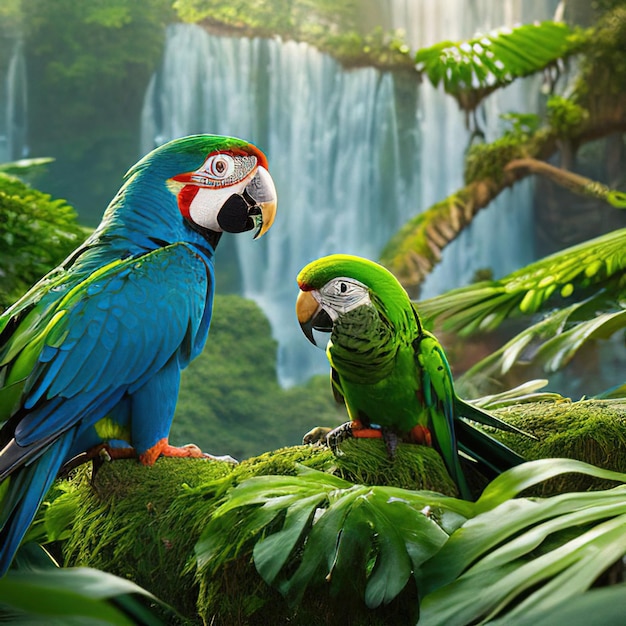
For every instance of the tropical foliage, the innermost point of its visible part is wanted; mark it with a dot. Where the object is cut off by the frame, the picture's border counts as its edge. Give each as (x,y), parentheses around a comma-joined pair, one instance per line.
(502,557)
(580,291)
(37,232)
(75,596)
(585,283)
(89,64)
(469,70)
(333,26)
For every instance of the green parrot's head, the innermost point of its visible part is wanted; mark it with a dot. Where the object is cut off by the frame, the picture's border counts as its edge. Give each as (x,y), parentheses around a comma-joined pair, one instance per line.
(334,285)
(221,184)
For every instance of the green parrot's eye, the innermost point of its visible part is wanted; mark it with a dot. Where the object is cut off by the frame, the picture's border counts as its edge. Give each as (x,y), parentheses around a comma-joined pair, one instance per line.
(343,288)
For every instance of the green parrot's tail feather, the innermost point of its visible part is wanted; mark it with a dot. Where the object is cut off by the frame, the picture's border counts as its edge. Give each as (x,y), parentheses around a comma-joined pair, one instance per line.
(492,456)
(471,412)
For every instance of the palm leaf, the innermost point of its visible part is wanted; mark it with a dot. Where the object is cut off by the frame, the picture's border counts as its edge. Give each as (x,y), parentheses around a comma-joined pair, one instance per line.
(73,596)
(572,274)
(521,556)
(553,341)
(471,69)
(315,530)
(526,392)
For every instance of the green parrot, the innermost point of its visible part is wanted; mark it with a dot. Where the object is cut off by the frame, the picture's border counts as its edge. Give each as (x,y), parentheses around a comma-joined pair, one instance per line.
(392,375)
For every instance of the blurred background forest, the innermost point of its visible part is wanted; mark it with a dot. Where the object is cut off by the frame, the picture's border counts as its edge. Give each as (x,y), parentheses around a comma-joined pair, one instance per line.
(358,142)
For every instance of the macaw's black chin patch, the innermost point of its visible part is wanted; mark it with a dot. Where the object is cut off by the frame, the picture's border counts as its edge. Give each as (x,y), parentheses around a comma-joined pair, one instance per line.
(234,216)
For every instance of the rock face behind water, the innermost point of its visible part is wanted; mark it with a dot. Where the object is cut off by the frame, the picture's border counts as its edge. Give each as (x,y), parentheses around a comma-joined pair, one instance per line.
(143,523)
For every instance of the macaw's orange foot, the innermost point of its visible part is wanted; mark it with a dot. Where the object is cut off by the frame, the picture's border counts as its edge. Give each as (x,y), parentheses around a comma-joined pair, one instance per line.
(421,435)
(163,448)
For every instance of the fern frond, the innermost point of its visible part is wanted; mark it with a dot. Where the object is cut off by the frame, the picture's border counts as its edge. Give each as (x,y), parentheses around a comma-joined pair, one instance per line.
(471,69)
(570,275)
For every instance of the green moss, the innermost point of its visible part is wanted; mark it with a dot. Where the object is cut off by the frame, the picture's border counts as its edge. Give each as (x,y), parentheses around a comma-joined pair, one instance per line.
(593,431)
(143,522)
(334,27)
(487,160)
(566,117)
(366,462)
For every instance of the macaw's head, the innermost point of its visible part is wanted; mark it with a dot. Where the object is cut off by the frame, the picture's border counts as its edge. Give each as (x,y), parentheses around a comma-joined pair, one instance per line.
(221,184)
(334,285)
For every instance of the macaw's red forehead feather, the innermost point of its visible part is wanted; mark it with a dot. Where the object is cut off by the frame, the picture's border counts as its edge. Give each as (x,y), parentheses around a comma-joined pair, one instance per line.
(249,150)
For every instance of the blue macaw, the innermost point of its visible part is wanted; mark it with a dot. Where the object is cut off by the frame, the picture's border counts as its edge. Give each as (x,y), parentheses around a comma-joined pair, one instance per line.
(91,356)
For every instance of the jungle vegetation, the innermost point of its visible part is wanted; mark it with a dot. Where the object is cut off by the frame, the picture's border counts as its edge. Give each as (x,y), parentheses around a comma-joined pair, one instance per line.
(305,536)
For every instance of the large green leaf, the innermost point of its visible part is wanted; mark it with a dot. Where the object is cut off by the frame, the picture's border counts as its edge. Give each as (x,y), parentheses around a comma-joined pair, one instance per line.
(586,283)
(518,554)
(554,340)
(597,606)
(469,561)
(565,572)
(486,62)
(74,595)
(316,529)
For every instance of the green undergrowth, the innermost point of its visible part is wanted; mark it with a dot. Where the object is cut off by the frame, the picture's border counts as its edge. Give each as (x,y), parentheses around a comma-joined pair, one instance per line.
(149,524)
(152,517)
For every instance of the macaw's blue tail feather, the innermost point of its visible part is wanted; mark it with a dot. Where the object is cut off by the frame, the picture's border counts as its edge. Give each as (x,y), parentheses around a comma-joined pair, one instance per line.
(24,490)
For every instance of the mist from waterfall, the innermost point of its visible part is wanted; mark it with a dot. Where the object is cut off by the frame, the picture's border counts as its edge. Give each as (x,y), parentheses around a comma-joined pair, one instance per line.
(13,100)
(354,153)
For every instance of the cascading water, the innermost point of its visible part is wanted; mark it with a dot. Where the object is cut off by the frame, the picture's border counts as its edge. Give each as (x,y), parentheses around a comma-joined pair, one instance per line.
(342,164)
(354,153)
(13,101)
(500,238)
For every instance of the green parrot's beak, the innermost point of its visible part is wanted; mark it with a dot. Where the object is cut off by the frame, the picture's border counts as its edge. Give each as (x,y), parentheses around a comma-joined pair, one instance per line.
(263,192)
(312,316)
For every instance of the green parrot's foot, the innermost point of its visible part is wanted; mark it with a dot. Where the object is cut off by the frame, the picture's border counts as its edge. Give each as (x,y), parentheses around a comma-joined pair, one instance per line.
(350,429)
(316,435)
(391,439)
(163,448)
(421,435)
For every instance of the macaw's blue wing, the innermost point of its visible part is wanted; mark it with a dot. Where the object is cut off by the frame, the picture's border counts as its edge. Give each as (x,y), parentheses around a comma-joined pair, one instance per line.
(103,362)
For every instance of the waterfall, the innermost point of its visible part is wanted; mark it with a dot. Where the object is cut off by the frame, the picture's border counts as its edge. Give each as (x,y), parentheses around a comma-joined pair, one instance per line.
(342,146)
(354,153)
(501,236)
(13,101)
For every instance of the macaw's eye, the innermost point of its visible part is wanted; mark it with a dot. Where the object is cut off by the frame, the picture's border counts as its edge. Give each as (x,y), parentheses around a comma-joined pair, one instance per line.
(219,166)
(343,287)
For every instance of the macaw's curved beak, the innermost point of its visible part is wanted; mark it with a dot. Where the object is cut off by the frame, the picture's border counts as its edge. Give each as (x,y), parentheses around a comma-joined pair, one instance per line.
(262,191)
(312,316)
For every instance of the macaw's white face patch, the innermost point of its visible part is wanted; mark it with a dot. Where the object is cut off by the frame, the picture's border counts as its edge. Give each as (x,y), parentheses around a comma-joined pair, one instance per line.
(201,204)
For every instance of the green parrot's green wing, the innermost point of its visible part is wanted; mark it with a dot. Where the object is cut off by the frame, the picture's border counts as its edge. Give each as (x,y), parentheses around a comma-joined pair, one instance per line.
(439,398)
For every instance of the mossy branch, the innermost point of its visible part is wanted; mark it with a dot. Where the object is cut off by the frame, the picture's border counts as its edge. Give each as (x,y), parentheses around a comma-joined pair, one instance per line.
(417,247)
(143,522)
(574,182)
